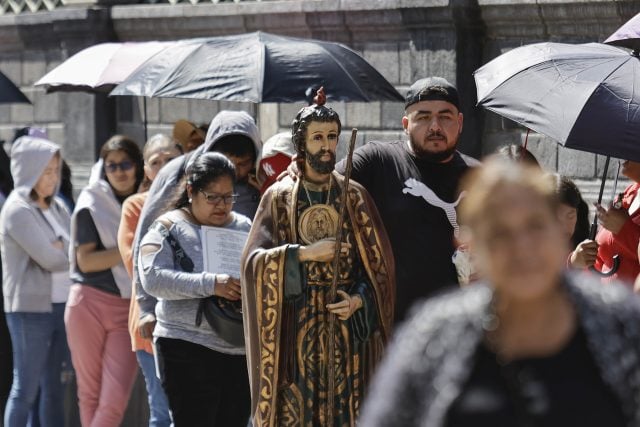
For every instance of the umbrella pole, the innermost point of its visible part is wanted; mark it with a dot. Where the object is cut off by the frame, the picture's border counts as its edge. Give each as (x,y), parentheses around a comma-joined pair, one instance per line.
(144,114)
(594,228)
(594,225)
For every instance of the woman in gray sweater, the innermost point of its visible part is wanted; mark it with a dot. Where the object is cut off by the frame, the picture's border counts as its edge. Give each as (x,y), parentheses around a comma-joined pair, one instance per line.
(34,240)
(204,376)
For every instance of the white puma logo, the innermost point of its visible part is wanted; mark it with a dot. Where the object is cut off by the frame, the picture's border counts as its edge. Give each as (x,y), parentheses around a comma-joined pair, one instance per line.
(418,189)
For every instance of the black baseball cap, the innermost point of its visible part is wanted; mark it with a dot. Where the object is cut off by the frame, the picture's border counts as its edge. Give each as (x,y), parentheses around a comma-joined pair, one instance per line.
(432,89)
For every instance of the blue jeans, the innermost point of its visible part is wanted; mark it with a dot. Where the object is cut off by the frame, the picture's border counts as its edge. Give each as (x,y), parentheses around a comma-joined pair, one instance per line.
(39,349)
(158,406)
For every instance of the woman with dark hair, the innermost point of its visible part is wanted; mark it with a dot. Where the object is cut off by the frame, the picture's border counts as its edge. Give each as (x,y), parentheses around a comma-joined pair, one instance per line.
(34,237)
(98,306)
(204,376)
(573,213)
(532,346)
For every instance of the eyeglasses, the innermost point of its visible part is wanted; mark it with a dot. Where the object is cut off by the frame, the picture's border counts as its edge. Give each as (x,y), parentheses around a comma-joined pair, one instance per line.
(124,166)
(214,199)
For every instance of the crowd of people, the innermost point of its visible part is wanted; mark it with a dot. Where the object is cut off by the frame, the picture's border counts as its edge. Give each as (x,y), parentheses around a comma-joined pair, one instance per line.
(415,286)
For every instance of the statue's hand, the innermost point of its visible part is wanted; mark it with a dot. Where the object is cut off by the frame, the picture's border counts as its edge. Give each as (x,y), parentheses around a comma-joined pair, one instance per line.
(345,308)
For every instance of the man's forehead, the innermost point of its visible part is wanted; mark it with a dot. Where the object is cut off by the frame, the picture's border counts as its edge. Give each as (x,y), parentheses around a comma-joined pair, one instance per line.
(431,106)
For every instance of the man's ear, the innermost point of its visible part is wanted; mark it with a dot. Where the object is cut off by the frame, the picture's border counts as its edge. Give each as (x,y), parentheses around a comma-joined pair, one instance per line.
(405,123)
(460,121)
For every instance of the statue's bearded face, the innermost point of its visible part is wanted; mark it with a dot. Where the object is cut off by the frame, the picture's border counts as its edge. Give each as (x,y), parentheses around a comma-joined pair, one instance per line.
(320,147)
(320,227)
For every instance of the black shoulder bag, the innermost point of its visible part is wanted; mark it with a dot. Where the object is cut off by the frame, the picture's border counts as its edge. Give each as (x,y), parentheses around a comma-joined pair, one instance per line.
(222,315)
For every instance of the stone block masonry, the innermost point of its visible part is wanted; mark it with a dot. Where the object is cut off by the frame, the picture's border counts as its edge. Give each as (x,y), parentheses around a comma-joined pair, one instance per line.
(404,39)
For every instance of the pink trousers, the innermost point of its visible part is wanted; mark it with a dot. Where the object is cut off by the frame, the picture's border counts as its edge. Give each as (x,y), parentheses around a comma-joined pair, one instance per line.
(100,346)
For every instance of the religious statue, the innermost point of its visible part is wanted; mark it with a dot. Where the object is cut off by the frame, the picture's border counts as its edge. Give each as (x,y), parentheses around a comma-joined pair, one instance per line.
(288,270)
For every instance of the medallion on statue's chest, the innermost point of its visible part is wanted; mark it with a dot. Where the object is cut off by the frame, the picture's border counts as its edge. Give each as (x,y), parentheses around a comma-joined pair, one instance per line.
(319,221)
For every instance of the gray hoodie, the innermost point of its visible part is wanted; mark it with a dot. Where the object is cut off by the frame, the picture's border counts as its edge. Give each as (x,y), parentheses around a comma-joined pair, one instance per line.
(163,187)
(26,237)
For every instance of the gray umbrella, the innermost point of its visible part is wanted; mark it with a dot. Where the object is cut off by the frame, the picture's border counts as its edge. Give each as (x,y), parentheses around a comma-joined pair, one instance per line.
(257,67)
(583,96)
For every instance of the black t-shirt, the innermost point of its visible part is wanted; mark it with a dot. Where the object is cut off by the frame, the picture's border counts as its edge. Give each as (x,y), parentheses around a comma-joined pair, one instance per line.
(88,233)
(561,390)
(420,231)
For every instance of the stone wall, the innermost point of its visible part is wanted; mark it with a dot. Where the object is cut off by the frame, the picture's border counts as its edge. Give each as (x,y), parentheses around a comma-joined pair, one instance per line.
(404,39)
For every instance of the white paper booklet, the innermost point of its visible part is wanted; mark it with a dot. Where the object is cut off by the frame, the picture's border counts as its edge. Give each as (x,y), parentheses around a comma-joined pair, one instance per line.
(222,250)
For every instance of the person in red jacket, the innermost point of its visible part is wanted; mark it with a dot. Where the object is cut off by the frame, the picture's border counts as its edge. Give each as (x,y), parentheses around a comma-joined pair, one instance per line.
(620,232)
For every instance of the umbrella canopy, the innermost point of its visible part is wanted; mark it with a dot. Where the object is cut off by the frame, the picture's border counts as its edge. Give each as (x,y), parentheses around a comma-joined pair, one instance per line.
(583,96)
(9,92)
(628,35)
(257,67)
(99,68)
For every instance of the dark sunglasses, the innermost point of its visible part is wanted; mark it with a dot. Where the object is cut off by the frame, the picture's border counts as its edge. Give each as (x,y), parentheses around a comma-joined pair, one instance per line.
(124,166)
(214,199)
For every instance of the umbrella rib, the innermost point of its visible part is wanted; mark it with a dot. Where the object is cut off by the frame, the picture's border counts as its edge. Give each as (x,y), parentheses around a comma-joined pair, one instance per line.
(613,71)
(565,78)
(346,72)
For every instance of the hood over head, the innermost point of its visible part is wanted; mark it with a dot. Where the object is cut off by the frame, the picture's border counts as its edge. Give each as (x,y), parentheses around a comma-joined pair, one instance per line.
(230,123)
(29,158)
(279,143)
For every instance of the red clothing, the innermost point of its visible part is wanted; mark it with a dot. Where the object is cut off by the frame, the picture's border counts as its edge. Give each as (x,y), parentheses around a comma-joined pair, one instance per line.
(624,243)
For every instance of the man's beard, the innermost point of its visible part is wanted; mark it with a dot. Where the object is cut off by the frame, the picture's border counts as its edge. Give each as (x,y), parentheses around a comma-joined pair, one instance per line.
(322,167)
(433,156)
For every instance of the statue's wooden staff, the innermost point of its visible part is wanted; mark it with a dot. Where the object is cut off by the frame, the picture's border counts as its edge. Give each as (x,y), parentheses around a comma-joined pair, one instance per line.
(331,363)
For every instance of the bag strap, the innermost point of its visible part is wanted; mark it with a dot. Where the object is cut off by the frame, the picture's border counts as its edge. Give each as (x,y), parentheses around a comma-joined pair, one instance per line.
(186,264)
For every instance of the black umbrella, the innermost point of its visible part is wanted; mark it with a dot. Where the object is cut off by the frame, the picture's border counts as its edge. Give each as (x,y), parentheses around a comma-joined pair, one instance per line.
(628,35)
(257,67)
(585,97)
(9,92)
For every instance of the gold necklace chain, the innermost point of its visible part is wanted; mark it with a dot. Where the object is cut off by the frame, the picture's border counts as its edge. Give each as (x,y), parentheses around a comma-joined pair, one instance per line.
(306,190)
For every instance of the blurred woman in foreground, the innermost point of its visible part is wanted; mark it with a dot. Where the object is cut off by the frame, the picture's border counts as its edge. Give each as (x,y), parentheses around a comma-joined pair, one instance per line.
(532,346)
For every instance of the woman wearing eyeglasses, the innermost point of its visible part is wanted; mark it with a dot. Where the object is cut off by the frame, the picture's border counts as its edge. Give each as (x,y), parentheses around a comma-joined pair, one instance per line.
(98,305)
(205,377)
